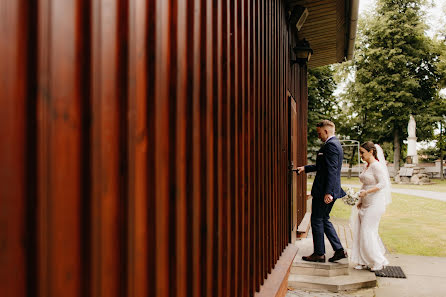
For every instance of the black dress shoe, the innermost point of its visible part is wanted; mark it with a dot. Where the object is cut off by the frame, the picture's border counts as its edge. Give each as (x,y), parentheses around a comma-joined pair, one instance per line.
(338,255)
(314,258)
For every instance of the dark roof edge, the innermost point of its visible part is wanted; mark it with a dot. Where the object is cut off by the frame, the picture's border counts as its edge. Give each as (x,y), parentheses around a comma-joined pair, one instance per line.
(352,14)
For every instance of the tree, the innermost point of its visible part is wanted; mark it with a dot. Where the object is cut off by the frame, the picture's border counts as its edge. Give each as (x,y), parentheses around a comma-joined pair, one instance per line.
(321,101)
(395,74)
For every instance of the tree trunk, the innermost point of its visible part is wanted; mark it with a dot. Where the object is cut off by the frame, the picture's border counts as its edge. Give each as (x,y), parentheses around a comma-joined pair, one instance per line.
(396,150)
(351,163)
(441,151)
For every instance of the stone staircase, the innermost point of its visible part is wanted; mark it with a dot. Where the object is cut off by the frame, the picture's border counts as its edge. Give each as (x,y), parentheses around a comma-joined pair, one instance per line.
(326,276)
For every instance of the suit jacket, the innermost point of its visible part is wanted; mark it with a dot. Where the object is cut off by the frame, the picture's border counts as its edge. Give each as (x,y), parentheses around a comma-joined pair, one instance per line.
(328,170)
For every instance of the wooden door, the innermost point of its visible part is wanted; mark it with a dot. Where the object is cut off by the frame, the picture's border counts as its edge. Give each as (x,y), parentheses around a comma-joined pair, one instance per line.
(293,144)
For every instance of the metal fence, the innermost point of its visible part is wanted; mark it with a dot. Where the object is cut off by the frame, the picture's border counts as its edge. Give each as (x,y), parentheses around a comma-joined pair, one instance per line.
(144,146)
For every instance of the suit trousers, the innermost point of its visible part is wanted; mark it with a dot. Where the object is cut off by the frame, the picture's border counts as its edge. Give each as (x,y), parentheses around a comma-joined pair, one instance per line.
(320,225)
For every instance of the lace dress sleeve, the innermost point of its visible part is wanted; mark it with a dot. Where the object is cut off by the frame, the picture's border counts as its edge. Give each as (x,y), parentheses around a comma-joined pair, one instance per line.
(379,174)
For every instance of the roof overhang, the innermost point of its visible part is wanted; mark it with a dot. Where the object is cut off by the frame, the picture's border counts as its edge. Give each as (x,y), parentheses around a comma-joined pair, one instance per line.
(330,29)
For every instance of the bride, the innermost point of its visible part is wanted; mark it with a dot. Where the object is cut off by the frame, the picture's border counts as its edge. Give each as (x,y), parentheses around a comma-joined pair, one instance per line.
(368,249)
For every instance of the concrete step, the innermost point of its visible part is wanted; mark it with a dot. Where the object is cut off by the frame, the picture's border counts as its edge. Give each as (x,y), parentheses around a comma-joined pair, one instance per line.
(326,269)
(356,279)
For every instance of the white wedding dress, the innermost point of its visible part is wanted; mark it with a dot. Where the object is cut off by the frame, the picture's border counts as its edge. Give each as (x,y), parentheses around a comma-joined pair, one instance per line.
(368,249)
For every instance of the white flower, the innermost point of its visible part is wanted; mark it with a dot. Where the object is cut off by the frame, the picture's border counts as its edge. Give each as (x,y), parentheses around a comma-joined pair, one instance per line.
(351,197)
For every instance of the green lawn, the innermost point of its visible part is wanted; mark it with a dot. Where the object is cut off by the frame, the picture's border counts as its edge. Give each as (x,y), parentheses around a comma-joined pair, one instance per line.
(411,225)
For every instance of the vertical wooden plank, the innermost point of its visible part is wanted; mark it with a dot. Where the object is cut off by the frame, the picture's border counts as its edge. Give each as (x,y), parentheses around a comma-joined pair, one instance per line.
(274,132)
(265,138)
(232,147)
(218,165)
(261,87)
(43,97)
(181,287)
(239,134)
(285,115)
(274,128)
(221,247)
(284,125)
(256,125)
(263,160)
(13,118)
(280,187)
(190,161)
(277,120)
(196,153)
(259,164)
(226,149)
(252,148)
(248,176)
(253,20)
(204,88)
(268,143)
(208,24)
(141,181)
(60,149)
(280,98)
(162,145)
(107,109)
(172,135)
(278,129)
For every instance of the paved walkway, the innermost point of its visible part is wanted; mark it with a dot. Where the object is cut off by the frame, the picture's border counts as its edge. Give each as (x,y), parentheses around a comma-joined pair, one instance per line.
(420,193)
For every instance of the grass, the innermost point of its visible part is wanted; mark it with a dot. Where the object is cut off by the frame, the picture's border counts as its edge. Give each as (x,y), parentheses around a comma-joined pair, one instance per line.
(411,225)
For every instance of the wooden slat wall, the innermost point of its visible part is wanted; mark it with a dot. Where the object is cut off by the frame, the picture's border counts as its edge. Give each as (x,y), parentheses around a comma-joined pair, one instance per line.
(144,146)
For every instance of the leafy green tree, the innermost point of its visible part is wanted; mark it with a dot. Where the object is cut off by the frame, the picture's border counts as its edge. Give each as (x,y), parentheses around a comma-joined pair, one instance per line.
(321,102)
(395,75)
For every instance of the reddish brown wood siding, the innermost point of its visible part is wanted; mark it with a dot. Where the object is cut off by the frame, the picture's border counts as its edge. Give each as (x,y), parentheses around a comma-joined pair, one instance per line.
(144,146)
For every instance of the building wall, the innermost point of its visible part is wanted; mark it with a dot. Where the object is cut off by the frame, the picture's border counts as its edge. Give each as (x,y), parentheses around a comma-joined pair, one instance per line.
(144,146)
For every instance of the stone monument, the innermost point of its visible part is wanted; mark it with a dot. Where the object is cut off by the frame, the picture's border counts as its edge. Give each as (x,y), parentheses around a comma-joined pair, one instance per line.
(411,173)
(412,155)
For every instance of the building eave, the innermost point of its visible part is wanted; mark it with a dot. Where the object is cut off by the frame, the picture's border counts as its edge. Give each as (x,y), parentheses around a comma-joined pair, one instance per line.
(330,28)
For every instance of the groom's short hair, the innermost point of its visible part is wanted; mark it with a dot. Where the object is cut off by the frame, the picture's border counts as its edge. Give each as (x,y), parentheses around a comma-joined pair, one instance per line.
(325,123)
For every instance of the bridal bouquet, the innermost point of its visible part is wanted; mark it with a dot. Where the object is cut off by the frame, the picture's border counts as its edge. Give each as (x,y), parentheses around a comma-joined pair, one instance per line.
(351,198)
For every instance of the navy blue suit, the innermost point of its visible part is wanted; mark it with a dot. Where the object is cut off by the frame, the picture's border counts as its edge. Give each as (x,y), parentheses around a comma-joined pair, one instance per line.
(327,181)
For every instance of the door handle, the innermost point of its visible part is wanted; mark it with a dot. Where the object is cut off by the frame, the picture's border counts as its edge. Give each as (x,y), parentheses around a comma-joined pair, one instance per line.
(292,169)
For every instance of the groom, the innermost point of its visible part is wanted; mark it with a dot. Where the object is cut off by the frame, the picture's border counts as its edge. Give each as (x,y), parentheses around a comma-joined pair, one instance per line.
(326,189)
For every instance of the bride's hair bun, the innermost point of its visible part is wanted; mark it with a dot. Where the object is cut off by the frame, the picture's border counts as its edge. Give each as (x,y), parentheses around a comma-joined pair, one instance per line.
(370,147)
